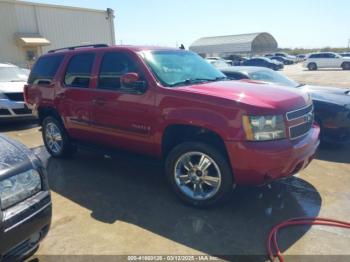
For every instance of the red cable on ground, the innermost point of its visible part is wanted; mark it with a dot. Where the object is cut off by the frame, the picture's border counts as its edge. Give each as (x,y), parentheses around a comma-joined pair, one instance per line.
(272,246)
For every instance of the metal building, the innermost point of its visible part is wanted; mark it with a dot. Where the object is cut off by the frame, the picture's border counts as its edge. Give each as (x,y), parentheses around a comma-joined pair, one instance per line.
(245,44)
(28,29)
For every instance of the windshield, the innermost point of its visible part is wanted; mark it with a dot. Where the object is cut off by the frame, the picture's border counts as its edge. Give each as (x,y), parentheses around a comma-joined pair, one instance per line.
(173,68)
(272,77)
(13,74)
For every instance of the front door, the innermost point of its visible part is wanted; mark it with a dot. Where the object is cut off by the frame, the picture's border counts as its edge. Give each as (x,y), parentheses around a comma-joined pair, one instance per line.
(122,117)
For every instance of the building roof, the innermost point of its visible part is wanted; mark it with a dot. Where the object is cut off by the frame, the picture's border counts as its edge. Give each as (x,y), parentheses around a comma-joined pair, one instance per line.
(30,3)
(244,43)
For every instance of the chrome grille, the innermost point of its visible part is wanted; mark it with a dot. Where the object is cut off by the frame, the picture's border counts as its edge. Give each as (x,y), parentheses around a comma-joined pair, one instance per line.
(304,118)
(292,115)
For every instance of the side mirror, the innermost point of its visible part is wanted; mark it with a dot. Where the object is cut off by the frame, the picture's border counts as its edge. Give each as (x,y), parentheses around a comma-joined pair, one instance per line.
(133,80)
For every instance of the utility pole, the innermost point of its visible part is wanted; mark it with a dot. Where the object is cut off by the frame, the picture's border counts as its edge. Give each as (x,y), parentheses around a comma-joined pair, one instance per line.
(349,43)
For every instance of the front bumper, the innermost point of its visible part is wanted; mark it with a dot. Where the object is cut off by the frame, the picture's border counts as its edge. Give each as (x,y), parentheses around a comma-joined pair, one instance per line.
(338,135)
(24,226)
(14,109)
(256,163)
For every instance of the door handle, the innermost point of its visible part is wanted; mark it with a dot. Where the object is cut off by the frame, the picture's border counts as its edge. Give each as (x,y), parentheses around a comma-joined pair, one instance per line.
(99,101)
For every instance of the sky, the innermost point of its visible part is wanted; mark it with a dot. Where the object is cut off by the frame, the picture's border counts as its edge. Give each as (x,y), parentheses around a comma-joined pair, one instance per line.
(294,23)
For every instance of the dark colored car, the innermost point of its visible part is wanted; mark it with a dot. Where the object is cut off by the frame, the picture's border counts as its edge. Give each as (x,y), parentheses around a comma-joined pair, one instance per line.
(264,62)
(332,105)
(25,202)
(345,54)
(282,59)
(173,105)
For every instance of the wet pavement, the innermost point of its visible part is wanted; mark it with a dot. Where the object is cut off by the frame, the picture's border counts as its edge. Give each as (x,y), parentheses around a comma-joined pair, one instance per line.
(123,205)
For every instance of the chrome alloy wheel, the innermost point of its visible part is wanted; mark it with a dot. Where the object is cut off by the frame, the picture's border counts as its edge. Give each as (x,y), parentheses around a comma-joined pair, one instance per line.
(197,175)
(53,138)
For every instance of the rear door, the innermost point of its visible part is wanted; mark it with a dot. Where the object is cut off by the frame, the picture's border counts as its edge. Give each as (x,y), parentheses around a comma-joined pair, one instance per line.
(123,117)
(74,96)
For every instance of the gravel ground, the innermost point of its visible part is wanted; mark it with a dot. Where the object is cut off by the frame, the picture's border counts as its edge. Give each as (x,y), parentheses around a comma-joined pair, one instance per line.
(324,77)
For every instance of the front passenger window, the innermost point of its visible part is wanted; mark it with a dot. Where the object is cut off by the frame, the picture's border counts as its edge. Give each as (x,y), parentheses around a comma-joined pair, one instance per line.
(113,66)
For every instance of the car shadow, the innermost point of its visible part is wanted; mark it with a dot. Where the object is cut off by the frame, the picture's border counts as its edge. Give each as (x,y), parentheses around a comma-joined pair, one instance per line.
(325,69)
(132,189)
(334,154)
(17,125)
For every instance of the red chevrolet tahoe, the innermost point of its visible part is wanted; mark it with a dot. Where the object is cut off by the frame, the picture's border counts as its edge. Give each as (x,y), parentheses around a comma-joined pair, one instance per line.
(213,134)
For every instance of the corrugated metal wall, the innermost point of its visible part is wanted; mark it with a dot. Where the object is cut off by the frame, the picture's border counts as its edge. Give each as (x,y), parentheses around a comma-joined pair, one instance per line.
(9,51)
(61,26)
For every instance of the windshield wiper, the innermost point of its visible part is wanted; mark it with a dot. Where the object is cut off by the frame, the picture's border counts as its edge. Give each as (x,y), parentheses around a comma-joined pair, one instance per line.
(300,85)
(17,80)
(198,80)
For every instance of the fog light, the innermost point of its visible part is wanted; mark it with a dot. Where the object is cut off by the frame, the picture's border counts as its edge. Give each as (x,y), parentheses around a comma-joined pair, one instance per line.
(34,239)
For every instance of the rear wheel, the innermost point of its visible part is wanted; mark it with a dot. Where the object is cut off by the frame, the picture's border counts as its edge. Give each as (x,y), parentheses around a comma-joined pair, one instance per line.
(312,66)
(199,174)
(346,66)
(56,139)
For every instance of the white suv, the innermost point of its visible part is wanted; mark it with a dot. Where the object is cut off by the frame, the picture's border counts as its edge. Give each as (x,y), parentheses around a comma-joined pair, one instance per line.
(12,81)
(327,60)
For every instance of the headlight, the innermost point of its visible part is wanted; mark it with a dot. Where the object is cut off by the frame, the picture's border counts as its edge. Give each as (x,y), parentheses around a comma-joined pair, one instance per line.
(263,128)
(19,187)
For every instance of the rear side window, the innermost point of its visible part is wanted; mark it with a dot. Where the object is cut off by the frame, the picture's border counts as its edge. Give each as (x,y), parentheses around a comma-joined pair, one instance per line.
(78,73)
(45,69)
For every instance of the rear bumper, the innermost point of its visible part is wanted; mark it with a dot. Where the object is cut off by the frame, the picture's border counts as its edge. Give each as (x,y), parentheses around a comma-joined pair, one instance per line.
(14,109)
(24,226)
(255,163)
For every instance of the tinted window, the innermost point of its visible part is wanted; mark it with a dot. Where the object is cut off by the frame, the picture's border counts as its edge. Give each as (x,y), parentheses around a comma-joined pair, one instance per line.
(235,75)
(329,55)
(78,73)
(45,69)
(115,65)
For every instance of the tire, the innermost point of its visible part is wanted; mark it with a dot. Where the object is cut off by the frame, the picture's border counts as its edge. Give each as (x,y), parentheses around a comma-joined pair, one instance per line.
(210,192)
(346,66)
(56,139)
(312,66)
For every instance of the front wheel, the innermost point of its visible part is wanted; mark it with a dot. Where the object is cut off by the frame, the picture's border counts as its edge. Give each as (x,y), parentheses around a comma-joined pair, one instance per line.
(312,66)
(346,66)
(199,174)
(55,138)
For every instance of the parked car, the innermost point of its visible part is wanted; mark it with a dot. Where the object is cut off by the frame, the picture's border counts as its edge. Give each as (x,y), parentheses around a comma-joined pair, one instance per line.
(173,105)
(327,60)
(218,63)
(283,60)
(345,54)
(25,202)
(264,62)
(12,81)
(331,104)
(285,55)
(228,61)
(301,57)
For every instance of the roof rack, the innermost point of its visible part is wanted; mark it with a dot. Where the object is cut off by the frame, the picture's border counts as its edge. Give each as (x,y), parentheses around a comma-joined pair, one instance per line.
(78,46)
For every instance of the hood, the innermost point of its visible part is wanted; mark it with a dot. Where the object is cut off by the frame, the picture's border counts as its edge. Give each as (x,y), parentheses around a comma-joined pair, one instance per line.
(282,99)
(12,154)
(12,87)
(335,95)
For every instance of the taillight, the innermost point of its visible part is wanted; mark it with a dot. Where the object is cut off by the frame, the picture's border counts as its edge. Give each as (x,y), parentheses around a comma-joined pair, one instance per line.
(25,93)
